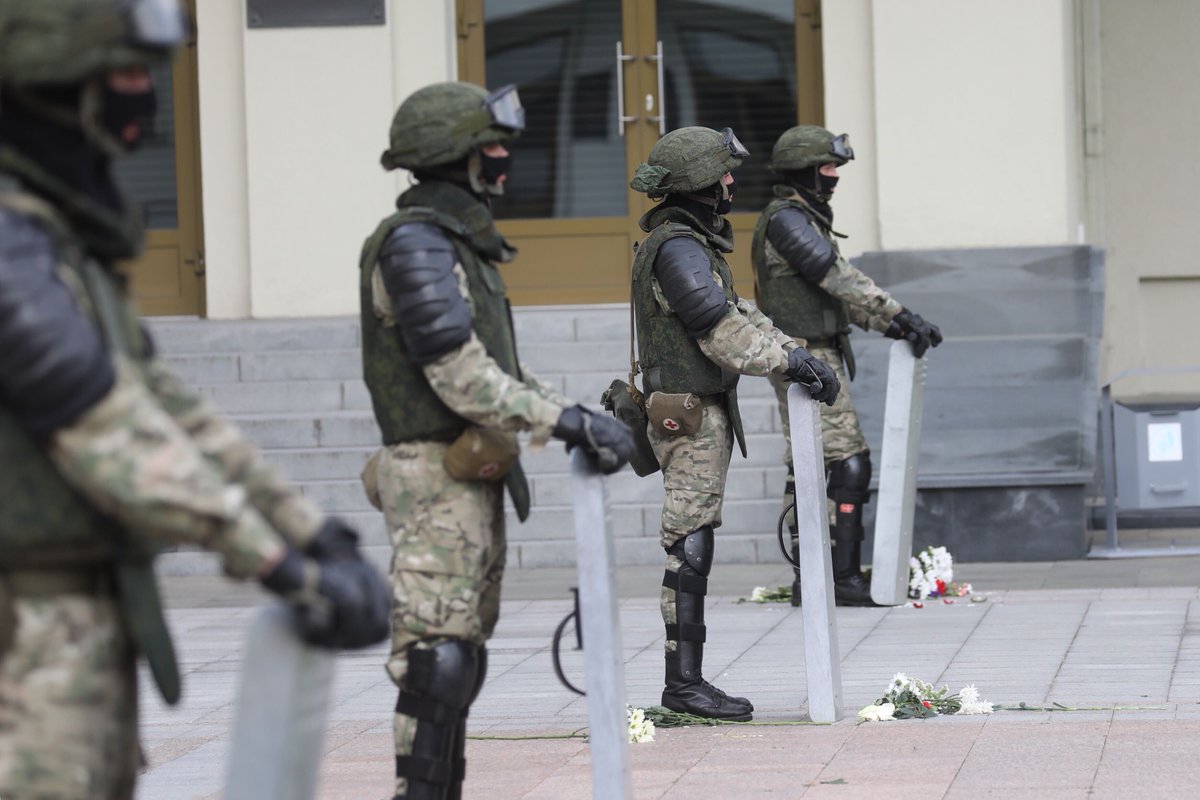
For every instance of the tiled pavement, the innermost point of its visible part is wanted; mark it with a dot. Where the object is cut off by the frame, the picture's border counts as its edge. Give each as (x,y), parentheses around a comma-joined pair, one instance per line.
(1086,633)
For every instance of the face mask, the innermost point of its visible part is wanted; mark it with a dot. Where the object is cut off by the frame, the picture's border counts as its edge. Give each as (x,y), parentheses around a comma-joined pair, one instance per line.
(119,110)
(492,168)
(725,202)
(827,186)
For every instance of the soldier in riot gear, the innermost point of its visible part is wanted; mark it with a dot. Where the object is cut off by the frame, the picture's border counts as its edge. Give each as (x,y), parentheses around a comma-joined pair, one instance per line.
(107,456)
(806,286)
(695,338)
(441,364)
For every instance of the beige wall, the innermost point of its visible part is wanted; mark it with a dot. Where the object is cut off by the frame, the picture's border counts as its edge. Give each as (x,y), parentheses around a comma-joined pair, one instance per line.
(1149,165)
(964,118)
(292,124)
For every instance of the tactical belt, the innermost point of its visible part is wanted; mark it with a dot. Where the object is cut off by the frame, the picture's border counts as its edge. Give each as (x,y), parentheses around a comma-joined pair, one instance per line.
(54,582)
(826,343)
(712,399)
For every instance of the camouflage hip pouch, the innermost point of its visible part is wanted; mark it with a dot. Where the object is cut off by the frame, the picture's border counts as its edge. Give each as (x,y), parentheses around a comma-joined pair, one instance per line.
(675,414)
(481,454)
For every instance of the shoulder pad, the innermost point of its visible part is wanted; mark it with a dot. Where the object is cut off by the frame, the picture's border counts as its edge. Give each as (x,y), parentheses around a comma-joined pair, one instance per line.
(792,233)
(53,362)
(684,273)
(416,263)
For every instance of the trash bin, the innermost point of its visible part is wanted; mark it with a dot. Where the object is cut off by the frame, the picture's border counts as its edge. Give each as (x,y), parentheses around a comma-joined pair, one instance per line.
(1157,454)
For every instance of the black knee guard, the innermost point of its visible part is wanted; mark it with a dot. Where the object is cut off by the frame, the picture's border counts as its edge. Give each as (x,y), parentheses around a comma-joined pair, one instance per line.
(690,585)
(439,686)
(848,485)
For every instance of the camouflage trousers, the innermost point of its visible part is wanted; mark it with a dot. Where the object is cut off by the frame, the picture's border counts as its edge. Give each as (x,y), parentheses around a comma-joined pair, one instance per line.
(68,702)
(448,551)
(841,433)
(694,469)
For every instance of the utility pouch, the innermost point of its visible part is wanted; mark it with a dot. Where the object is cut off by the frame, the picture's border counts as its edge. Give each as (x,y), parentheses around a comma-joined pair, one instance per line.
(481,454)
(674,414)
(370,480)
(8,616)
(618,400)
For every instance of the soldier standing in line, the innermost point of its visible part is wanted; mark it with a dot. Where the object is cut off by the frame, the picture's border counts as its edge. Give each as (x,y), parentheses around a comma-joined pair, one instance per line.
(106,455)
(695,338)
(812,292)
(449,394)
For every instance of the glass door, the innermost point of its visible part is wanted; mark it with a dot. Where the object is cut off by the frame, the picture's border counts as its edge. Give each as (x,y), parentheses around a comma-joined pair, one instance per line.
(162,179)
(601,80)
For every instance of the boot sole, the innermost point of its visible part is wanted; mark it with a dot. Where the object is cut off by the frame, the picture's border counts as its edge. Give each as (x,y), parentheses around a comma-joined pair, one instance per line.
(748,716)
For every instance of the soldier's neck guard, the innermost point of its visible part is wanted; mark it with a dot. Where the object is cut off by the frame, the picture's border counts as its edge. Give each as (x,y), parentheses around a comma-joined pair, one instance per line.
(479,229)
(107,235)
(662,213)
(788,192)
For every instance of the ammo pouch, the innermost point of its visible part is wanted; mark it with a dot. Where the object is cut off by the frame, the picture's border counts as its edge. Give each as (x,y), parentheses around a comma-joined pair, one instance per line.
(619,400)
(481,454)
(370,480)
(674,414)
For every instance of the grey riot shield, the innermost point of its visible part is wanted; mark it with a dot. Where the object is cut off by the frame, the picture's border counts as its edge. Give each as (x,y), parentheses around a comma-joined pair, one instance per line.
(281,713)
(897,475)
(821,658)
(608,731)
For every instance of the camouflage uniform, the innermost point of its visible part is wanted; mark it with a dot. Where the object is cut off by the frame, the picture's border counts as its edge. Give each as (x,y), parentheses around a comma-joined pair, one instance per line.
(117,458)
(442,374)
(696,337)
(803,282)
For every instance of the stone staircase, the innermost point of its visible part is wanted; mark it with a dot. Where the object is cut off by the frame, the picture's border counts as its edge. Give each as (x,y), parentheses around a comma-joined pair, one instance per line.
(295,387)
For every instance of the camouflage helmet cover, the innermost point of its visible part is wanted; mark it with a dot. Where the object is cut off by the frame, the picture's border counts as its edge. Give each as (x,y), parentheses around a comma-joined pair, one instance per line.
(66,41)
(443,122)
(687,160)
(809,145)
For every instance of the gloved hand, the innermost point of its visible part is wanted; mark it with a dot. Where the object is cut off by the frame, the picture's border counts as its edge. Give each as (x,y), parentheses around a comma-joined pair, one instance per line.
(340,601)
(814,375)
(608,440)
(921,334)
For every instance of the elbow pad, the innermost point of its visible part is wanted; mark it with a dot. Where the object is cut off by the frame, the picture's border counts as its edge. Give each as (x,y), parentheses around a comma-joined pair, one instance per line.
(417,265)
(685,276)
(794,236)
(54,365)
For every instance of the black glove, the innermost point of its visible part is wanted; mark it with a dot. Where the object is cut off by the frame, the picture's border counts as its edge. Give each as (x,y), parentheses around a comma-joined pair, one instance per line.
(814,375)
(608,440)
(921,334)
(340,601)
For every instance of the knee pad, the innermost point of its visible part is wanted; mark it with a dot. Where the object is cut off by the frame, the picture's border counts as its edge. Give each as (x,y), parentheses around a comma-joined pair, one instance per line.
(849,480)
(441,681)
(696,550)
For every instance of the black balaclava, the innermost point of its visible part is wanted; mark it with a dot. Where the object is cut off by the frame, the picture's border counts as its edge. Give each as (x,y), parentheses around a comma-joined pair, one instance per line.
(816,188)
(60,148)
(120,109)
(709,205)
(493,167)
(455,172)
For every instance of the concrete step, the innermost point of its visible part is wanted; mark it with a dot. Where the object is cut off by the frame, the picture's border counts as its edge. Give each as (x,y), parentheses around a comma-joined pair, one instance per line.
(310,429)
(187,335)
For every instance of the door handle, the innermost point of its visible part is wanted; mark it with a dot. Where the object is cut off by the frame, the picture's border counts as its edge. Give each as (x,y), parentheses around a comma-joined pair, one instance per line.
(622,118)
(661,118)
(196,262)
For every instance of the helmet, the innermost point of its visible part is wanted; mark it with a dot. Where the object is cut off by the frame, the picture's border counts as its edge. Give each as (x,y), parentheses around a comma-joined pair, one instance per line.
(688,159)
(444,122)
(807,146)
(66,41)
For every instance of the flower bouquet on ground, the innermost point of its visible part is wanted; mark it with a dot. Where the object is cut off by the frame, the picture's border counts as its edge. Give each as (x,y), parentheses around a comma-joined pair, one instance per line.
(931,574)
(911,698)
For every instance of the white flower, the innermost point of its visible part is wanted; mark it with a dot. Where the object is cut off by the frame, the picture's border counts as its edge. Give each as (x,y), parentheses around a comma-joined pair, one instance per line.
(877,713)
(759,595)
(640,728)
(971,704)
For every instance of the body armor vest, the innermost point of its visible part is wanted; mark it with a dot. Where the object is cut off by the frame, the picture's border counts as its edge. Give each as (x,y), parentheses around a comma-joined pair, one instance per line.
(797,307)
(44,523)
(669,358)
(406,407)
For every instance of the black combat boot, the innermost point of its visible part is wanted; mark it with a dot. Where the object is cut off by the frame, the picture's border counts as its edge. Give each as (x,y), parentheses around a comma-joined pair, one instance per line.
(438,688)
(458,762)
(685,688)
(795,571)
(848,486)
(850,586)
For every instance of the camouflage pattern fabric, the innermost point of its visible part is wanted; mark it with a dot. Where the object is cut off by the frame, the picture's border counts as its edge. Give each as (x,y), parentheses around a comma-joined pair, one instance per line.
(745,342)
(68,703)
(868,306)
(694,470)
(448,558)
(841,433)
(133,462)
(283,506)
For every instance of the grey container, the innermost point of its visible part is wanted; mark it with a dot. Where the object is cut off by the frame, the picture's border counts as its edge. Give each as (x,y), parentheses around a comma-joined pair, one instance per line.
(1157,454)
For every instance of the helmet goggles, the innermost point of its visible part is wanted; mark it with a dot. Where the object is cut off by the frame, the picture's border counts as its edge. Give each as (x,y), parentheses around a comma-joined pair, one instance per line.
(501,109)
(841,149)
(731,141)
(154,23)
